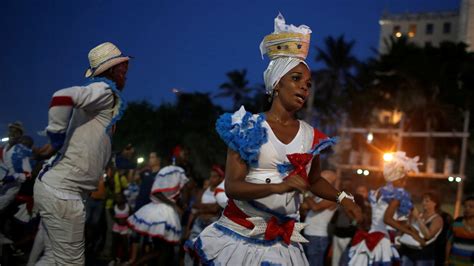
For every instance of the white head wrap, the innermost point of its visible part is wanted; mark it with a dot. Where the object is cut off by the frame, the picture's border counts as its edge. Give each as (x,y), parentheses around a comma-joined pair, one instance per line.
(277,68)
(288,57)
(399,166)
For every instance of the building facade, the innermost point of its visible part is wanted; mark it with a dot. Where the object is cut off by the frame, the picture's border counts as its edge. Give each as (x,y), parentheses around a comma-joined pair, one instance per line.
(430,28)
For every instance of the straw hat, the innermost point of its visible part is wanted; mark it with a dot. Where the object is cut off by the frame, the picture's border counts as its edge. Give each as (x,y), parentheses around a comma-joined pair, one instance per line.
(17,125)
(103,57)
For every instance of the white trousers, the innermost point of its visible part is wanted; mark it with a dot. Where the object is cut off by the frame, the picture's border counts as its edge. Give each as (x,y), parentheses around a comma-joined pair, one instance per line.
(339,245)
(63,222)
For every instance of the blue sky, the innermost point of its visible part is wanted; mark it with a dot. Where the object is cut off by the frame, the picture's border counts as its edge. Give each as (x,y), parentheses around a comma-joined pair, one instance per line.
(188,45)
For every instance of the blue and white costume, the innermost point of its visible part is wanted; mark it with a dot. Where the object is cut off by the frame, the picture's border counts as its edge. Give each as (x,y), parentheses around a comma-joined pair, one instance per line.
(376,247)
(158,219)
(15,168)
(384,252)
(242,235)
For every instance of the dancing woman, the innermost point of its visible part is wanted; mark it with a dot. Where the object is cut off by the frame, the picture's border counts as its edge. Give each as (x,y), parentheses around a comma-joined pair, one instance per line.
(271,161)
(388,203)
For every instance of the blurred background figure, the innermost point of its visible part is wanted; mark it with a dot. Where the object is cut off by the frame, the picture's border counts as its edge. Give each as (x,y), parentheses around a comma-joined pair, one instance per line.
(430,224)
(460,245)
(319,215)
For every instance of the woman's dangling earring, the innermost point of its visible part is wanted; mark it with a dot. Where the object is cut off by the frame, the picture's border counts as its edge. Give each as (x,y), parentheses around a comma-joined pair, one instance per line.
(276,93)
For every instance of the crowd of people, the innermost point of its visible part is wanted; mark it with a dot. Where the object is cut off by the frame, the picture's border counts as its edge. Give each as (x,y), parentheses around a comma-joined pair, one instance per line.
(74,202)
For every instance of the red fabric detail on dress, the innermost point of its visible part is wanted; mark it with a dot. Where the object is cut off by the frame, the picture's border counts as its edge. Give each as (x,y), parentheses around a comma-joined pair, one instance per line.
(299,162)
(61,101)
(236,215)
(218,190)
(165,189)
(371,239)
(317,136)
(25,199)
(283,230)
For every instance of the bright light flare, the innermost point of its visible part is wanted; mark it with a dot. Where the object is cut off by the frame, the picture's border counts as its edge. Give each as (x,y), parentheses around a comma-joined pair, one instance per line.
(360,171)
(450,179)
(398,34)
(458,179)
(370,137)
(388,157)
(140,160)
(366,172)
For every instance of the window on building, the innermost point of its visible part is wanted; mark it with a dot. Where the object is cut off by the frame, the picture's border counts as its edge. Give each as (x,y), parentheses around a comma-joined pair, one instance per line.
(412,30)
(429,28)
(446,27)
(396,31)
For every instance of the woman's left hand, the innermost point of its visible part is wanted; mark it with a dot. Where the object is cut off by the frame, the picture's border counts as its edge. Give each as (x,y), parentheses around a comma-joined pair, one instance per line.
(352,210)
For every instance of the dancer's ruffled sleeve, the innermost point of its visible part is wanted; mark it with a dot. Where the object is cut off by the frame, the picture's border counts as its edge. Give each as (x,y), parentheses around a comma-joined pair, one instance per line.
(389,193)
(243,133)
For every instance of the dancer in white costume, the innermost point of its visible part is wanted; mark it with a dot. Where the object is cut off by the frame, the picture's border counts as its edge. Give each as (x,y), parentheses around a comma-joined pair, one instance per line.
(160,218)
(388,203)
(272,159)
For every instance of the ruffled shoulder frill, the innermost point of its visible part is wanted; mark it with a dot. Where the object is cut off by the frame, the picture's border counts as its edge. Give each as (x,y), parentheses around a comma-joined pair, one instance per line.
(243,132)
(389,193)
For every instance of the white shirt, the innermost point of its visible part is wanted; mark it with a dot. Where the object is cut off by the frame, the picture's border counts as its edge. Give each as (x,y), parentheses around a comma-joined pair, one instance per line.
(317,222)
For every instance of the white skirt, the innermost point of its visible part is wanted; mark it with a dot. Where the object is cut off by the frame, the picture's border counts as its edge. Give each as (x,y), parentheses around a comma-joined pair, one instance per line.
(384,253)
(157,220)
(219,245)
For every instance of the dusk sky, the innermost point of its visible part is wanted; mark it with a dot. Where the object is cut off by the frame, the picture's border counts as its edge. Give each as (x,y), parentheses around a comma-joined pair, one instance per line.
(188,45)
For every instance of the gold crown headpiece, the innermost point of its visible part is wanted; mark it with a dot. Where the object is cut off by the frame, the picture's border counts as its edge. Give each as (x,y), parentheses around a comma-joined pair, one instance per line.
(286,40)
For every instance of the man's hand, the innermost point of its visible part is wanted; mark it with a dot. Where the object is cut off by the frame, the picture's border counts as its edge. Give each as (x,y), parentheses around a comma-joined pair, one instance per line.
(44,152)
(352,210)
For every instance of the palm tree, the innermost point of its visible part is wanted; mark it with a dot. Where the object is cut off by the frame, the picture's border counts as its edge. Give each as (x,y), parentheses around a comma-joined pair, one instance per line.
(236,87)
(333,81)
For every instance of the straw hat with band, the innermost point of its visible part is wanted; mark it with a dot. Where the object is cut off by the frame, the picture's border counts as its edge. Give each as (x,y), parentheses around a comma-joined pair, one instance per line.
(103,57)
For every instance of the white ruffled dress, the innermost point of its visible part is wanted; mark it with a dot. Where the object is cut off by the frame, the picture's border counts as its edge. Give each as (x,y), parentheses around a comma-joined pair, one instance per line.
(158,219)
(229,241)
(384,253)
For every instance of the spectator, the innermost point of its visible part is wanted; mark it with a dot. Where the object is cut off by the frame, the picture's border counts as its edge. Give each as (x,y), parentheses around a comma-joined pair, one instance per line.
(460,245)
(317,220)
(430,224)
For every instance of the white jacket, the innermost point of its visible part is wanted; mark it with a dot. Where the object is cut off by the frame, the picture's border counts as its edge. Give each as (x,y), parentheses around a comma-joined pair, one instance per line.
(79,127)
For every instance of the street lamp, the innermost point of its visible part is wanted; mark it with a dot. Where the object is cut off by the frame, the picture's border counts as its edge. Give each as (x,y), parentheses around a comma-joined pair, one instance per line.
(388,157)
(370,137)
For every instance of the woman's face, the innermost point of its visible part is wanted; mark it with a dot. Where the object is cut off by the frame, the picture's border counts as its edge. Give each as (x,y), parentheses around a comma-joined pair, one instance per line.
(400,182)
(214,179)
(294,87)
(469,208)
(428,204)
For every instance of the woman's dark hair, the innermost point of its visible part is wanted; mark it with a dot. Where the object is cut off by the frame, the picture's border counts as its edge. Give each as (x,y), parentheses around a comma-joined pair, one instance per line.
(433,197)
(468,198)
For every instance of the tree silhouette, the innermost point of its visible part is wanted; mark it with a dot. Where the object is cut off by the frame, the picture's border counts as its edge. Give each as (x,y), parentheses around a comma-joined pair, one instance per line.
(236,87)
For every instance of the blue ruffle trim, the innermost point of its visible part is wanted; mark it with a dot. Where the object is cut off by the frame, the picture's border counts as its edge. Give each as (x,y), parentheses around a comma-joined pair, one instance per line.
(263,208)
(121,101)
(201,254)
(246,137)
(286,167)
(19,153)
(389,193)
(322,145)
(237,236)
(269,263)
(170,173)
(168,227)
